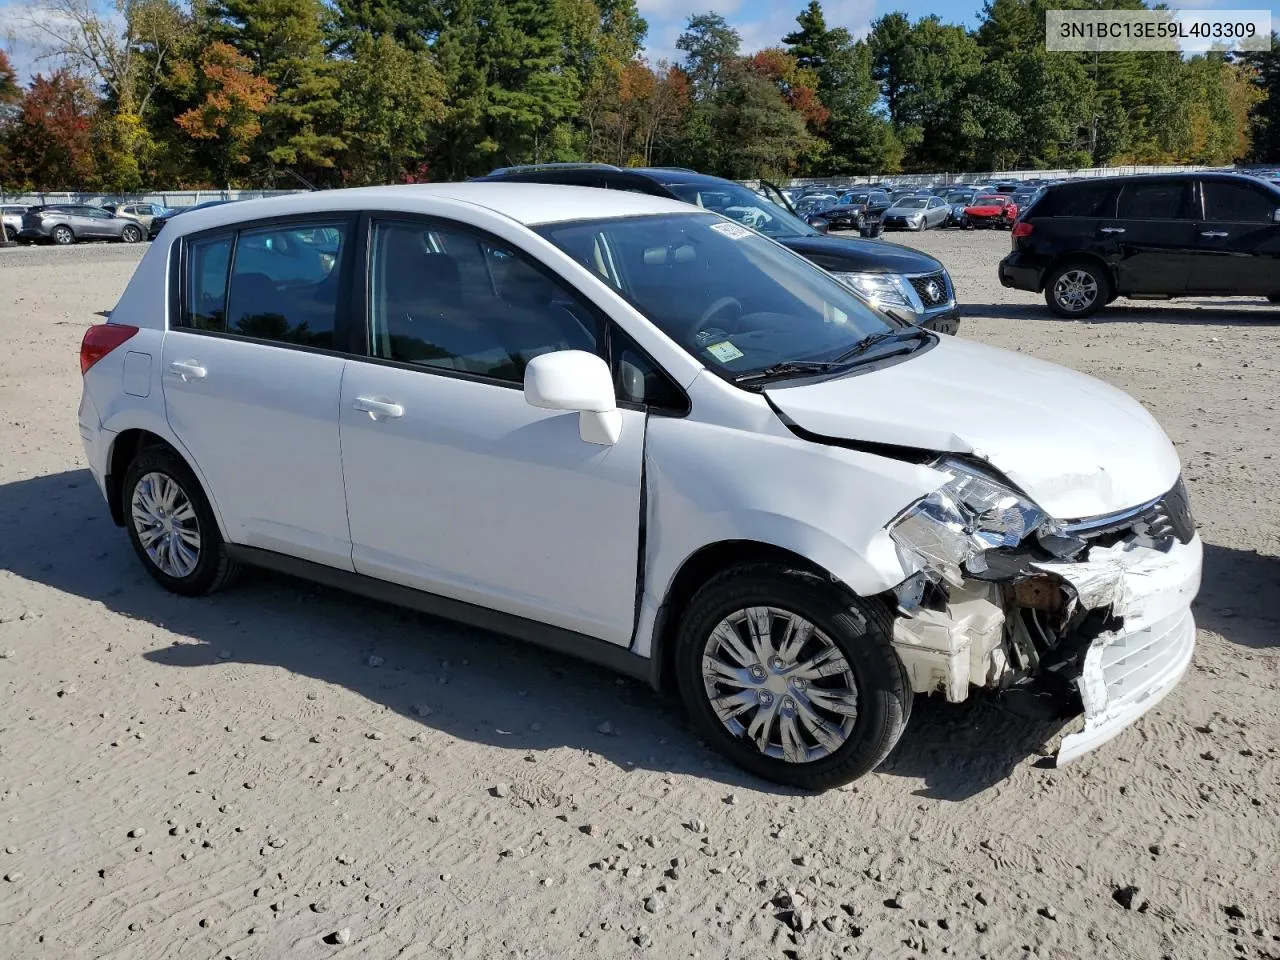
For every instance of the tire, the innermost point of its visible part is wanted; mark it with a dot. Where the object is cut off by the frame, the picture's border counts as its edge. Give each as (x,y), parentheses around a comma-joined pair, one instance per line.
(62,235)
(212,569)
(854,636)
(131,234)
(859,223)
(1091,286)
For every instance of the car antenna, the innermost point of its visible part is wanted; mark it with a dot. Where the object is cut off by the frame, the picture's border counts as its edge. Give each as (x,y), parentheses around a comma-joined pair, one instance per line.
(301,179)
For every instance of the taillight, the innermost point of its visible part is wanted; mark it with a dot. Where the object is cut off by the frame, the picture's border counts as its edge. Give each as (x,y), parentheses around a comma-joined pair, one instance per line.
(1022,229)
(101,339)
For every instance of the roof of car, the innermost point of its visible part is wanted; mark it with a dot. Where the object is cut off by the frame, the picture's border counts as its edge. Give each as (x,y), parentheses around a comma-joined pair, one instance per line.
(527,203)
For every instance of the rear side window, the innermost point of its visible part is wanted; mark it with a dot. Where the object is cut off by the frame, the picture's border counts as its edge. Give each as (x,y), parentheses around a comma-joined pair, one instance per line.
(284,284)
(205,306)
(1090,201)
(1155,201)
(1238,202)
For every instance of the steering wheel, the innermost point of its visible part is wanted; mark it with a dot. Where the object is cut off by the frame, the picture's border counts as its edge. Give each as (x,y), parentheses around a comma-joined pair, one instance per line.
(716,308)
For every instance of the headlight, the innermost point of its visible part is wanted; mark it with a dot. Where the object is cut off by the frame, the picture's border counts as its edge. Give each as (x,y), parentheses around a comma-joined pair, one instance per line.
(882,289)
(950,530)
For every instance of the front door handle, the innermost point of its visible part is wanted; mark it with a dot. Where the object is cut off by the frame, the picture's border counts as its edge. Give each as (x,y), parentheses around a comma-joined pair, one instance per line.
(1214,233)
(1113,229)
(188,370)
(379,408)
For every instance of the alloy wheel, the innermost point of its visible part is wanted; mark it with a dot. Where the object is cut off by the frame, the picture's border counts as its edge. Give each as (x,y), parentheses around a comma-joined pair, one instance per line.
(779,683)
(63,235)
(1076,290)
(166,524)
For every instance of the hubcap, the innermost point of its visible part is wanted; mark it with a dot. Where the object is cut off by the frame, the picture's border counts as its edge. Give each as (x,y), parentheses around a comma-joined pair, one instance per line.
(166,524)
(778,682)
(1076,290)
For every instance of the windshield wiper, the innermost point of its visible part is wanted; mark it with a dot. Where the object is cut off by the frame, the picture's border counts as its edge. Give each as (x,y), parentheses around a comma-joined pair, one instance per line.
(865,344)
(788,368)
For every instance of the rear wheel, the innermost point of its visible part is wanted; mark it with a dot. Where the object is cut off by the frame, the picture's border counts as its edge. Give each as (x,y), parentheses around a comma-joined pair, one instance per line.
(62,235)
(172,527)
(131,234)
(791,676)
(1076,290)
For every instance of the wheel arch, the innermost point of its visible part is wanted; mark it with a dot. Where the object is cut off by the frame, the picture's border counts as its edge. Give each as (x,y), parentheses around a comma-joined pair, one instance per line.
(126,445)
(697,569)
(1063,259)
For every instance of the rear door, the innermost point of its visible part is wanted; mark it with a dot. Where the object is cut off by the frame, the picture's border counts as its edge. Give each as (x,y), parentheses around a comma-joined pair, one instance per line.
(252,372)
(1152,240)
(1239,240)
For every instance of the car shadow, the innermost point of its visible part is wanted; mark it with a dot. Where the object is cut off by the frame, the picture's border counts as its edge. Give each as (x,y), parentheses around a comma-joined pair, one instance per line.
(1256,313)
(478,686)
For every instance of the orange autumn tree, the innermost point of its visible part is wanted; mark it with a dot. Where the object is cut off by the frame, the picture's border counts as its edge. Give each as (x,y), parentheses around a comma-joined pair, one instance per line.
(229,112)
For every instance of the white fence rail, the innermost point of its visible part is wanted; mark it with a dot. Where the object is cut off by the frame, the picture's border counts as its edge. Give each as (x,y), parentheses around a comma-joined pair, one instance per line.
(166,198)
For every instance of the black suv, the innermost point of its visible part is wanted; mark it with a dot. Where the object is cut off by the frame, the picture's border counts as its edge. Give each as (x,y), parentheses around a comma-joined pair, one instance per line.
(856,209)
(1155,237)
(906,282)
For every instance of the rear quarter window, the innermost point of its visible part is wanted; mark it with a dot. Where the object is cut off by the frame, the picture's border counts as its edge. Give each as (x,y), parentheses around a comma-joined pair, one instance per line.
(1089,201)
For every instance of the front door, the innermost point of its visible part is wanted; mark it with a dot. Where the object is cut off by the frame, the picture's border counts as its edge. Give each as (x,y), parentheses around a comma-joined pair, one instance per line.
(455,485)
(1239,240)
(1152,241)
(252,382)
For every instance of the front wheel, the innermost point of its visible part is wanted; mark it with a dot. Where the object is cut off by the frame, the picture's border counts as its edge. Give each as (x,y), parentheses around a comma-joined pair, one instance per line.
(62,235)
(791,676)
(172,527)
(1077,290)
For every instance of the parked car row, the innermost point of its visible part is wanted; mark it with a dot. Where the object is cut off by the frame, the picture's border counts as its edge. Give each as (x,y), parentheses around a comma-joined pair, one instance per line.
(68,223)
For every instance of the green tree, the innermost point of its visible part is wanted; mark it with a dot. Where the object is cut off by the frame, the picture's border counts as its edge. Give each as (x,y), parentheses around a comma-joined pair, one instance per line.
(414,24)
(710,46)
(763,135)
(10,91)
(1264,118)
(285,42)
(858,139)
(391,99)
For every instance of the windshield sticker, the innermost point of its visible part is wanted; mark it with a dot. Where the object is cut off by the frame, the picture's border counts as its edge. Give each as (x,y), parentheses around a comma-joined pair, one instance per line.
(725,352)
(734,231)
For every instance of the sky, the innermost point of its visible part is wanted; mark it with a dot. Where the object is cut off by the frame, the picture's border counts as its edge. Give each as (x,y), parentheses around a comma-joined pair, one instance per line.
(761,23)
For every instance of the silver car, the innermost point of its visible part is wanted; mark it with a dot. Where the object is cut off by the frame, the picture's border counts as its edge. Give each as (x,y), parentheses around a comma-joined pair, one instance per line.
(11,217)
(918,212)
(144,213)
(66,224)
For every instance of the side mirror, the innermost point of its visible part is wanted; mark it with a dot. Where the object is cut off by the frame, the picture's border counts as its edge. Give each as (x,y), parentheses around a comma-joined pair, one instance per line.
(822,226)
(576,381)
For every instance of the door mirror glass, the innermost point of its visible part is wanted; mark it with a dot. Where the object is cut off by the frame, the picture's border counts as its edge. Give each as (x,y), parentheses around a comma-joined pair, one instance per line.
(575,380)
(822,226)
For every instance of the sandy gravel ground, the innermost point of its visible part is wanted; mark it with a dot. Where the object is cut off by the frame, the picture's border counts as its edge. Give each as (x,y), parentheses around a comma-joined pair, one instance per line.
(248,775)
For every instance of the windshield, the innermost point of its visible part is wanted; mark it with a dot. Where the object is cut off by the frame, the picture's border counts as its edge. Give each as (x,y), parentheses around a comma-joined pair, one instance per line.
(745,206)
(733,299)
(991,199)
(911,203)
(959,197)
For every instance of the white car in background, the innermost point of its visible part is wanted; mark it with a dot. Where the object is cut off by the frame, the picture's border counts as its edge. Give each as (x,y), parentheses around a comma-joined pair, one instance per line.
(639,432)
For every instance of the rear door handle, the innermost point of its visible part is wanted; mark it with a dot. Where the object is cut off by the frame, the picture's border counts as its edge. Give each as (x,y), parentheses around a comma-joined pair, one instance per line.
(1214,233)
(1113,229)
(379,408)
(188,370)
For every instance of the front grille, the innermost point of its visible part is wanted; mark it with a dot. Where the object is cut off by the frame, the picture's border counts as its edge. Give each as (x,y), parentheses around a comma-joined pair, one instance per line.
(933,289)
(1162,519)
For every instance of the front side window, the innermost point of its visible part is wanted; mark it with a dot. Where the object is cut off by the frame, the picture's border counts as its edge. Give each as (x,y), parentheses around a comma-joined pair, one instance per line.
(1153,201)
(1237,202)
(737,302)
(445,298)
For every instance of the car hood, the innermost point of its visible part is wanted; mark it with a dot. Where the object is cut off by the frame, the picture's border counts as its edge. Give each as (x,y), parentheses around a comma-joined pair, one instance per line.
(855,255)
(904,211)
(1077,446)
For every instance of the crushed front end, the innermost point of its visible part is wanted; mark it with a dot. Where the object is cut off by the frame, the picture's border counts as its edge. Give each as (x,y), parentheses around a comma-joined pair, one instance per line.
(1094,615)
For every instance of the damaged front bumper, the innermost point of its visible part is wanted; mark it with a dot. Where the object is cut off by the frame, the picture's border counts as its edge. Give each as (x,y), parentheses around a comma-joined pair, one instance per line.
(1111,629)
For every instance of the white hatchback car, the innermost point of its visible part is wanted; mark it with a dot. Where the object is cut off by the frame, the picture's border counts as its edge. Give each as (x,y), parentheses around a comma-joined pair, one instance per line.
(635,431)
